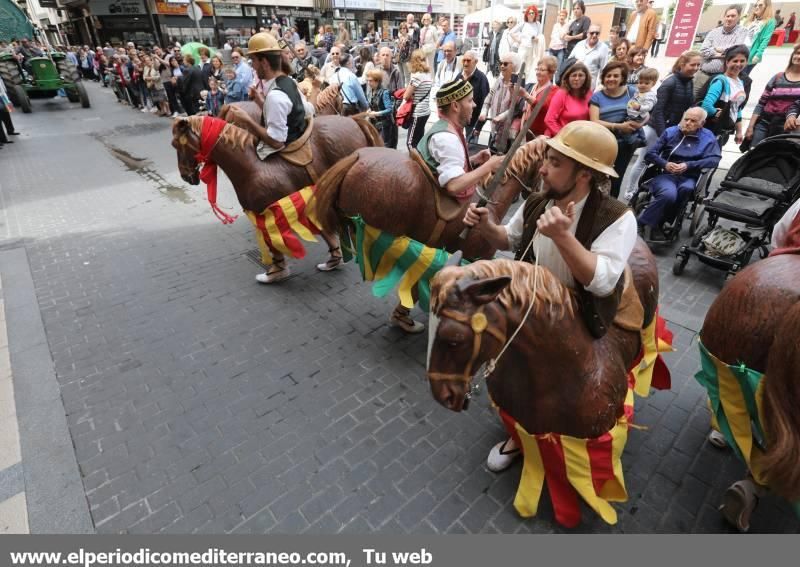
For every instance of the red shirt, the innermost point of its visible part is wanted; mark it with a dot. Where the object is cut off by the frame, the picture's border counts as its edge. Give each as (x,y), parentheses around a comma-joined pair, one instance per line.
(565,108)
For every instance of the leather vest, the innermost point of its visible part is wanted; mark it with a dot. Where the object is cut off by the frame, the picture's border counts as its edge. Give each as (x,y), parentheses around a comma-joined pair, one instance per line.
(599,212)
(296,121)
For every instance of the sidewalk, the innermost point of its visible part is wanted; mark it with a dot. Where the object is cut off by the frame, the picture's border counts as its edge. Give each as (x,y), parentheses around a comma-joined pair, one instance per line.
(13,507)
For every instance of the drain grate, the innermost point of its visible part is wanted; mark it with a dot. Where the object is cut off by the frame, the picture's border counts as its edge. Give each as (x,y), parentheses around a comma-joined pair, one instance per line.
(255,257)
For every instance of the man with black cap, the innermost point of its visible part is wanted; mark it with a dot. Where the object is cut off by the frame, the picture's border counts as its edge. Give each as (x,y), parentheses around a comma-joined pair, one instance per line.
(445,149)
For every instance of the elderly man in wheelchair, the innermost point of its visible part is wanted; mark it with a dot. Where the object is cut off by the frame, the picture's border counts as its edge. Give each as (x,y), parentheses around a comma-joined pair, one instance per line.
(678,159)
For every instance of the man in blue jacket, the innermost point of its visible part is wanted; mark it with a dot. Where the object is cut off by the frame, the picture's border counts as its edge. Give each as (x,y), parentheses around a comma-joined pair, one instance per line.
(681,151)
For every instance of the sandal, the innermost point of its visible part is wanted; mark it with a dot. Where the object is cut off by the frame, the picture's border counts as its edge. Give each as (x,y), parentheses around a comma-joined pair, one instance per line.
(401,318)
(333,262)
(499,458)
(738,503)
(275,273)
(717,439)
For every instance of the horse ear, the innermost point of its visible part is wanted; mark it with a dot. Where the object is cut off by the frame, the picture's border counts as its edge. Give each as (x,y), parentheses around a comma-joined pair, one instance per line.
(484,291)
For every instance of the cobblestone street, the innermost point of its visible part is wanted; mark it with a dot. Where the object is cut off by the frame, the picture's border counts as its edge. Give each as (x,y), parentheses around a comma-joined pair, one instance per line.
(193,399)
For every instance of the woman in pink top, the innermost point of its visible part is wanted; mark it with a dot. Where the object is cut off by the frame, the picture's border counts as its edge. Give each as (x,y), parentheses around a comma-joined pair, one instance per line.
(571,102)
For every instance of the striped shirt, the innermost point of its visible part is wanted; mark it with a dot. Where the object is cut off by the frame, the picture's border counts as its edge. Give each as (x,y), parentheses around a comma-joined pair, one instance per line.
(779,94)
(422,84)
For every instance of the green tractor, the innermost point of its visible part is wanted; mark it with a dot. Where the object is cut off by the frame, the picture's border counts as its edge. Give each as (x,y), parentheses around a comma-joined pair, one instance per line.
(46,77)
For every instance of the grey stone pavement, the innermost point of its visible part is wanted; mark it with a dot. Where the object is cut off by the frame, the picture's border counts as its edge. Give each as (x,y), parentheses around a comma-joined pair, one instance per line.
(197,400)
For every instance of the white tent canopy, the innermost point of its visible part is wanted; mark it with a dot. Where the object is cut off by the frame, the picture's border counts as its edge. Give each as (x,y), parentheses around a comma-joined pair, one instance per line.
(487,15)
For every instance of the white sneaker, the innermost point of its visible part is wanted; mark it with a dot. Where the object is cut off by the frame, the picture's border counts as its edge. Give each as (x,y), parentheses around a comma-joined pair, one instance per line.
(273,277)
(499,458)
(144,110)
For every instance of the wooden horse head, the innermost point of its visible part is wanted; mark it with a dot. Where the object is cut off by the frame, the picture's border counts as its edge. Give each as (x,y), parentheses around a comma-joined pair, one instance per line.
(187,143)
(475,309)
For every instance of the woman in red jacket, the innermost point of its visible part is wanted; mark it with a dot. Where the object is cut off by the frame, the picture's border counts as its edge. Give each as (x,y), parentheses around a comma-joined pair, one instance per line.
(544,78)
(571,101)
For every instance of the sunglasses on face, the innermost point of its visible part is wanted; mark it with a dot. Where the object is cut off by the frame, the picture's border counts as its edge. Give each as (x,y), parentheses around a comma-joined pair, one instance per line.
(504,63)
(594,33)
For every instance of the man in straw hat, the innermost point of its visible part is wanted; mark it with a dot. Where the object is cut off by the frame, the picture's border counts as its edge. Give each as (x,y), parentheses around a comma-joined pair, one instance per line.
(284,107)
(284,111)
(574,229)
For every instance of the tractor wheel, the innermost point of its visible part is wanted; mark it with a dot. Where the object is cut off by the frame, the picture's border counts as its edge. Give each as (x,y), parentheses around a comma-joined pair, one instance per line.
(9,71)
(72,95)
(22,99)
(68,70)
(84,96)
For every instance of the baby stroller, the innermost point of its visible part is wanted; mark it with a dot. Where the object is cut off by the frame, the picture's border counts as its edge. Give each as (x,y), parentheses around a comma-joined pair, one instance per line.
(754,195)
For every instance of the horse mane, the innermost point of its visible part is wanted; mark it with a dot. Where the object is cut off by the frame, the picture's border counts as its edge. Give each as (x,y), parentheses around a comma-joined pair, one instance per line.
(328,98)
(524,159)
(232,135)
(553,298)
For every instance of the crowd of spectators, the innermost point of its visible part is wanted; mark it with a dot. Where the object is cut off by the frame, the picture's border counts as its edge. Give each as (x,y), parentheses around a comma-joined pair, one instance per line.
(578,77)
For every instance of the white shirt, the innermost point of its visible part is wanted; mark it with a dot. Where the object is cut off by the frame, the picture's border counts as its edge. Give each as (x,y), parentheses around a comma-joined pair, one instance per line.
(277,107)
(447,72)
(595,58)
(783,225)
(326,73)
(555,36)
(446,149)
(633,32)
(612,247)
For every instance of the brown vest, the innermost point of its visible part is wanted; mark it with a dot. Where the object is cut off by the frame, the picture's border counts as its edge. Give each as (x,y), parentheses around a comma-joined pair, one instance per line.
(599,212)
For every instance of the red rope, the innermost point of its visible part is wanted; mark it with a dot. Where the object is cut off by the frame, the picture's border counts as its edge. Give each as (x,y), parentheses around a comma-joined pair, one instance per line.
(212,129)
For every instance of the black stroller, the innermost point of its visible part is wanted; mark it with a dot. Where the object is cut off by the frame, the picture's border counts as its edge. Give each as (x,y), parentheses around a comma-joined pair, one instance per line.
(754,195)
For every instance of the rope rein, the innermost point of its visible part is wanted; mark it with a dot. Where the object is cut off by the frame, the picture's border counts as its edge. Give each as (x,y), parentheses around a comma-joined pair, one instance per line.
(492,364)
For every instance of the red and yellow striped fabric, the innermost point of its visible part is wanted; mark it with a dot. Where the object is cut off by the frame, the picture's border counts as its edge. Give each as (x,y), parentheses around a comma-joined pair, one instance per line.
(588,468)
(649,369)
(280,224)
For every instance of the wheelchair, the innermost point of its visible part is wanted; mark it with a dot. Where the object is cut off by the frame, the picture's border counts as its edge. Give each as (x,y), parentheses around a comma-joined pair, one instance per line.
(691,208)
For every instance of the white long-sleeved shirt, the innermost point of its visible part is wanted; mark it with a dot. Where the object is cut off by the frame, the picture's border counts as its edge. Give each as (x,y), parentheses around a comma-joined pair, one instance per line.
(612,247)
(446,149)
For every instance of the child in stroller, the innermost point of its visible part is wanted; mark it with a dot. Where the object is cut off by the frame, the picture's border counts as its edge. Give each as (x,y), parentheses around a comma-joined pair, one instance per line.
(755,194)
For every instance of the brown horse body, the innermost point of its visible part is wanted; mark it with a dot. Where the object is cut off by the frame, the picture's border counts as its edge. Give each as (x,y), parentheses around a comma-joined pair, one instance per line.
(260,183)
(393,193)
(755,320)
(554,376)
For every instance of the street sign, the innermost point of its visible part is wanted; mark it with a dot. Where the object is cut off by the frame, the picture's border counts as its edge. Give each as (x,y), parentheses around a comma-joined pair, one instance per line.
(194,12)
(684,25)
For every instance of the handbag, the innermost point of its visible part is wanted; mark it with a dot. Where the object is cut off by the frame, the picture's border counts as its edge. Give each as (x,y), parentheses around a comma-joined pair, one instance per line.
(405,114)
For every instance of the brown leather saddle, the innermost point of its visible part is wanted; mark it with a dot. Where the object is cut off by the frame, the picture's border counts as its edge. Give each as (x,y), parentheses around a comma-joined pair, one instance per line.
(447,208)
(299,152)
